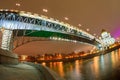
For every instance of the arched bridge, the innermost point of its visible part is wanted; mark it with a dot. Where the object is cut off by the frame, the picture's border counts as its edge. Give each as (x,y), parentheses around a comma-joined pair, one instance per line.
(15,23)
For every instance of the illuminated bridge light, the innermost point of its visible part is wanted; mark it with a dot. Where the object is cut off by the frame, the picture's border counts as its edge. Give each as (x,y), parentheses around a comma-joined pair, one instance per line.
(45,10)
(44,16)
(17,4)
(52,19)
(12,10)
(74,41)
(79,25)
(1,9)
(36,14)
(88,29)
(66,18)
(4,9)
(29,13)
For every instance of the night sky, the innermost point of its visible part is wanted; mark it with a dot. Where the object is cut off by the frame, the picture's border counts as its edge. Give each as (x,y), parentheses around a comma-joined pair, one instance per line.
(94,15)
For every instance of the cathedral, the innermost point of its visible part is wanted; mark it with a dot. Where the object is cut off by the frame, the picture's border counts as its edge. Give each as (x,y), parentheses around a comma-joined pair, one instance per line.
(106,38)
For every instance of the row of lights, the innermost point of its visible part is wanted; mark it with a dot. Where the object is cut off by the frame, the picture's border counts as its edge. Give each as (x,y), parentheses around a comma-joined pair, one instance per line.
(46,10)
(66,18)
(62,39)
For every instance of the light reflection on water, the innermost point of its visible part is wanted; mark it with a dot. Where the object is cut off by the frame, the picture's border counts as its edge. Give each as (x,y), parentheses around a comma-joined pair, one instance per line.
(105,67)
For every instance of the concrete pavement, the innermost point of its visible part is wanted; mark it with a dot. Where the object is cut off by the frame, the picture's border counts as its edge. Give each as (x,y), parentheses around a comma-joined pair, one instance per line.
(27,71)
(19,72)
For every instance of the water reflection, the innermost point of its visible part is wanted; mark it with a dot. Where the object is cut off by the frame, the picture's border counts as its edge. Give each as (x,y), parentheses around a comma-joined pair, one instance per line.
(96,66)
(77,68)
(105,67)
(57,66)
(44,64)
(60,69)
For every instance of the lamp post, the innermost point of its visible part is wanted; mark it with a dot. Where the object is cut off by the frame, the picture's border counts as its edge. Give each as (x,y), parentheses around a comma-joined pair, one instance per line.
(18,4)
(66,18)
(45,10)
(79,25)
(88,29)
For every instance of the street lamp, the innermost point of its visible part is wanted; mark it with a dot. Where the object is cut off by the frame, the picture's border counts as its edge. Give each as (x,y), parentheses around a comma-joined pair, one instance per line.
(94,34)
(87,29)
(18,4)
(45,10)
(66,18)
(79,25)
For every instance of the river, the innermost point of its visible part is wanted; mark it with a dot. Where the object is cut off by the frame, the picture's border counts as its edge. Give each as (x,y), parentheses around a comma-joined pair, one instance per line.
(104,67)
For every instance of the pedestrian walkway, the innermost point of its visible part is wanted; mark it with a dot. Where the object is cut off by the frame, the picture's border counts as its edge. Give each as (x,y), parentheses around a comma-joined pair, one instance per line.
(19,72)
(26,71)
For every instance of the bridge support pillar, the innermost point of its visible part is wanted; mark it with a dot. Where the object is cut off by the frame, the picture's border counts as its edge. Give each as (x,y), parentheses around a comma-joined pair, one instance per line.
(7,40)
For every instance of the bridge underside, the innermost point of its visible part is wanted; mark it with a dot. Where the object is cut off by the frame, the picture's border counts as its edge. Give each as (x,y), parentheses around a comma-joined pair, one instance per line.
(51,47)
(20,39)
(41,43)
(52,35)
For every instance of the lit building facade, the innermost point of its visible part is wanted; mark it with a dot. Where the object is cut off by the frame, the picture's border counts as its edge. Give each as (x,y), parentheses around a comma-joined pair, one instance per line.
(106,39)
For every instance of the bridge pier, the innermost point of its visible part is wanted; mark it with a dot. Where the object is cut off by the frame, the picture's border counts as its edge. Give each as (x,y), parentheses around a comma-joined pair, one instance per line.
(7,40)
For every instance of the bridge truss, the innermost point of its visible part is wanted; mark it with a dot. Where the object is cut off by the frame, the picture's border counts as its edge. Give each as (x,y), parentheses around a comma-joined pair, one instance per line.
(18,25)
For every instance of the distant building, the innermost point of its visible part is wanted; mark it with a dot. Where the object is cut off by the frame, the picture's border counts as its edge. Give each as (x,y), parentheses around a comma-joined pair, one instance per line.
(106,38)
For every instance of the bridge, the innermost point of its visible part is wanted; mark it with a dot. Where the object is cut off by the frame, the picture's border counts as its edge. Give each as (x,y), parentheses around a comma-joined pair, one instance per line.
(16,24)
(19,27)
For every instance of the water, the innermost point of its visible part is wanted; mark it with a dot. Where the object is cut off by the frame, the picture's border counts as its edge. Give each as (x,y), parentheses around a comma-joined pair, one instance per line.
(105,67)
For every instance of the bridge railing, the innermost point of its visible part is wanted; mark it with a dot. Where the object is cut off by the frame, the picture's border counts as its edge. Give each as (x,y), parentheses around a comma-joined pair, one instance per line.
(42,22)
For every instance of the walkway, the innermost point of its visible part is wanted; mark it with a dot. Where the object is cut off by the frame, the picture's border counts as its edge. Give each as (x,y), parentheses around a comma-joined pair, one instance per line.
(25,72)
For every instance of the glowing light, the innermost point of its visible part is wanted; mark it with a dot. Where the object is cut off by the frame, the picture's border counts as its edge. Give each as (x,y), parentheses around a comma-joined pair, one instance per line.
(44,64)
(66,18)
(88,29)
(45,10)
(17,4)
(2,29)
(23,57)
(79,25)
(94,34)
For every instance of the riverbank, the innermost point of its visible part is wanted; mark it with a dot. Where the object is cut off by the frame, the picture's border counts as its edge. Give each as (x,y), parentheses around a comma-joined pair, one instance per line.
(103,67)
(81,57)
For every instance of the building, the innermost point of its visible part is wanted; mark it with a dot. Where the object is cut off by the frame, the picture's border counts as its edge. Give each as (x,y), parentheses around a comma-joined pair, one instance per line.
(106,39)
